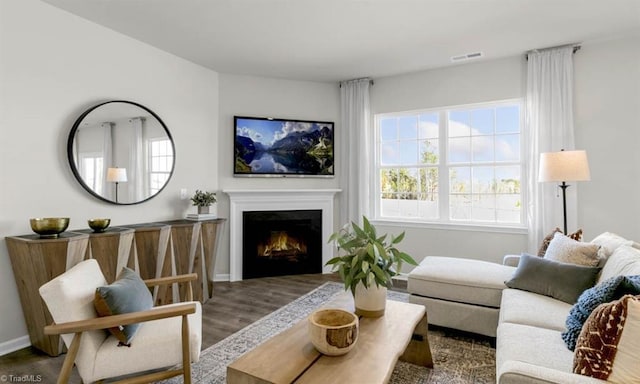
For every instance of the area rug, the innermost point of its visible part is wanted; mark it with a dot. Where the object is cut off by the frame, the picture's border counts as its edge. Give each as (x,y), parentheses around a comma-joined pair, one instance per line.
(457,358)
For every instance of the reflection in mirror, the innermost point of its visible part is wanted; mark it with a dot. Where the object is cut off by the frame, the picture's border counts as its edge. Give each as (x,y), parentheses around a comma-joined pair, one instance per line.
(121,152)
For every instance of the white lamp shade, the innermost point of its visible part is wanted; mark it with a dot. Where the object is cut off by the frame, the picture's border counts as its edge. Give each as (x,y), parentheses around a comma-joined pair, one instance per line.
(117,175)
(564,166)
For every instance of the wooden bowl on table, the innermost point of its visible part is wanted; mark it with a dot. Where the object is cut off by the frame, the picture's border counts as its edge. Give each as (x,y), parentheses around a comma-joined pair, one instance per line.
(333,332)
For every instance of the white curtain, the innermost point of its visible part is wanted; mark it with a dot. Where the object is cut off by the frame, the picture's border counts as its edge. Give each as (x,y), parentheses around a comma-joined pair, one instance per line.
(355,164)
(549,122)
(104,189)
(136,174)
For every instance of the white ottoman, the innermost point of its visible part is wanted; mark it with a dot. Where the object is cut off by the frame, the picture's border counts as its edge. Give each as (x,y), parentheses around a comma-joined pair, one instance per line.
(458,293)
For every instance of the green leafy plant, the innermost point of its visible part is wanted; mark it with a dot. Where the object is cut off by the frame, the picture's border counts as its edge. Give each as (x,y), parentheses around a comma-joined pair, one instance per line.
(203,199)
(365,258)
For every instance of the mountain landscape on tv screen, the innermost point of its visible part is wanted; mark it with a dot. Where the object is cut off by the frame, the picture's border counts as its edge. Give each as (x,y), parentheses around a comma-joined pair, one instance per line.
(296,152)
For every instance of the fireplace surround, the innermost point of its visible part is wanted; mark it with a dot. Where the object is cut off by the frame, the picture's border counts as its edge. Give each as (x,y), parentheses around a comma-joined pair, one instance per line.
(265,200)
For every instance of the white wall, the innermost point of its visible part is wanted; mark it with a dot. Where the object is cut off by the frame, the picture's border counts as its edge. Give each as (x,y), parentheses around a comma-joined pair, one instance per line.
(54,66)
(607,124)
(268,97)
(462,84)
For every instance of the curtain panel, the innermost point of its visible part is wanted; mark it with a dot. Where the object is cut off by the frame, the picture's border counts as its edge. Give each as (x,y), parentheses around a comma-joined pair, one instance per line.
(549,124)
(355,144)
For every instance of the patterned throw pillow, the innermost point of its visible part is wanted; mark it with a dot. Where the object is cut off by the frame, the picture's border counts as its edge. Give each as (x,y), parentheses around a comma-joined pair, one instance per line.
(577,236)
(566,250)
(608,290)
(607,347)
(127,294)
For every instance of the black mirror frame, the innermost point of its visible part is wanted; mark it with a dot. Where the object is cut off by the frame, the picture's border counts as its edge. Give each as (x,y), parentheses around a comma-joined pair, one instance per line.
(74,168)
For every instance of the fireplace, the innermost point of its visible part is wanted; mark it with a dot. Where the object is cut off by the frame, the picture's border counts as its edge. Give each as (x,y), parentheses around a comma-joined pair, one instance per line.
(269,200)
(277,243)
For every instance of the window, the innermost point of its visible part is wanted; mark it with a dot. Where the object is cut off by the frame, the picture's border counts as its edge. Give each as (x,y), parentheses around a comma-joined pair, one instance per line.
(459,165)
(91,170)
(161,162)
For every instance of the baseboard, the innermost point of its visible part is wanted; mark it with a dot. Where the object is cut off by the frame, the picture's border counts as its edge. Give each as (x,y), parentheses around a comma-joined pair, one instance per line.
(222,277)
(15,344)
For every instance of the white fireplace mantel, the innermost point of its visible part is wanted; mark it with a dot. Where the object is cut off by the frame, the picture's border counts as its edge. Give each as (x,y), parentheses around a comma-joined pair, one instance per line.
(241,200)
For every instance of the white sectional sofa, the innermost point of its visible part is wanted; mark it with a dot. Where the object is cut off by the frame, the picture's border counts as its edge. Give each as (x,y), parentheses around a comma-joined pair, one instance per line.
(528,327)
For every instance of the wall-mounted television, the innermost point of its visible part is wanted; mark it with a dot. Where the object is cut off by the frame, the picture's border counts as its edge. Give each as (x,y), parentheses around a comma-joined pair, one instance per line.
(271,147)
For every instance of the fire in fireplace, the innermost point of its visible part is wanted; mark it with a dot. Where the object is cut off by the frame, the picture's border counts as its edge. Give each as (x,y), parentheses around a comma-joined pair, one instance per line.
(281,245)
(277,243)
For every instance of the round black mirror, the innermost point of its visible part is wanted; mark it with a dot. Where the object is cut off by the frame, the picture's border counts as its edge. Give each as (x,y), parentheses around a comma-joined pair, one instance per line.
(121,152)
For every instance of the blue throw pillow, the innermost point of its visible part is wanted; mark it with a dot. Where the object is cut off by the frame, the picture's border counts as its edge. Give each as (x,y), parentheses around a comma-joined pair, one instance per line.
(127,294)
(608,290)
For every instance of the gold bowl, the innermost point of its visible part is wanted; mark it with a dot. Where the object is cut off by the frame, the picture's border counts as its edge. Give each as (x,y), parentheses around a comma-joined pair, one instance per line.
(98,225)
(49,227)
(333,332)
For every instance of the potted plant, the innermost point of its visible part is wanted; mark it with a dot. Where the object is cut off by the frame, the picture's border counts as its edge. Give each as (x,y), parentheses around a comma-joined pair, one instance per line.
(203,200)
(367,263)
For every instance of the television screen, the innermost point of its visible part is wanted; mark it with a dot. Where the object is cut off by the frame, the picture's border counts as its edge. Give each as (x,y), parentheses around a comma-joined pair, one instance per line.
(279,147)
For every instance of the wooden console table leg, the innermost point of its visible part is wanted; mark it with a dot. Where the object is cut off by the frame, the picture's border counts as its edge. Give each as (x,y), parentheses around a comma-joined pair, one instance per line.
(418,351)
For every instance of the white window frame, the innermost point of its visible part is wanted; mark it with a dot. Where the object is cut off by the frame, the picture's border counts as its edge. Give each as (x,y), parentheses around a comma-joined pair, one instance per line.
(150,164)
(98,170)
(444,222)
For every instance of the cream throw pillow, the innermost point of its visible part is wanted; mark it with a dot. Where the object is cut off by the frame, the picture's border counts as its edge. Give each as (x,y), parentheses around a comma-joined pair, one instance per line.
(609,241)
(625,260)
(566,250)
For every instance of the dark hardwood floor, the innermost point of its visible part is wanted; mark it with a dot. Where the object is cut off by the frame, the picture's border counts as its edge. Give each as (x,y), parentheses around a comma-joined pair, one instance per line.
(233,306)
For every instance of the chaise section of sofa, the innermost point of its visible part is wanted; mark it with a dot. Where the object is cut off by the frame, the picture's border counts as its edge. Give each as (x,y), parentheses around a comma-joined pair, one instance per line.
(459,293)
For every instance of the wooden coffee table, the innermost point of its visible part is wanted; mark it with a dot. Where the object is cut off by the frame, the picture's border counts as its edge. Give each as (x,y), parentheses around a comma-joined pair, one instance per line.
(289,357)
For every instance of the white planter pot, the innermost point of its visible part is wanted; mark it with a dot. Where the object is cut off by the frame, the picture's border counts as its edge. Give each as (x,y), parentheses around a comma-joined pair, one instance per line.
(210,210)
(370,302)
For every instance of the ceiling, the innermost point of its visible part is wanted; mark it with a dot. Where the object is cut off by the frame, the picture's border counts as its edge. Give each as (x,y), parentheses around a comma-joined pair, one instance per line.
(332,40)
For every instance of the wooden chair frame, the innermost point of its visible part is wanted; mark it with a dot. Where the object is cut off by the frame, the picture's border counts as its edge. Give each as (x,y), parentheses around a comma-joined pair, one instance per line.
(78,327)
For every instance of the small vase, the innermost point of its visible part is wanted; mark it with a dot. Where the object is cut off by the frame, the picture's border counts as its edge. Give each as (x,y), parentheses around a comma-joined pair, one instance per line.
(370,302)
(203,210)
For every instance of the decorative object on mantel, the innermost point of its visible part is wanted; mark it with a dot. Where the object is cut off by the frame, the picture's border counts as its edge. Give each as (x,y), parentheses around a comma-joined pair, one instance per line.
(204,200)
(98,225)
(49,227)
(333,332)
(367,265)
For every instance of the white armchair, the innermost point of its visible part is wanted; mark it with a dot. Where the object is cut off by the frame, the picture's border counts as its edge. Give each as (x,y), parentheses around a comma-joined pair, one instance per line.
(169,336)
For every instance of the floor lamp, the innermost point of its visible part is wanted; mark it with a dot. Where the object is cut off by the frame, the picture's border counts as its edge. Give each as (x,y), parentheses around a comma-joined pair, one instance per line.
(564,166)
(116,175)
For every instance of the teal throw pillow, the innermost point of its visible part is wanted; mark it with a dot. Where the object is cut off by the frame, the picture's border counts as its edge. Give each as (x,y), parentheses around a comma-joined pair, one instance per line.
(125,295)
